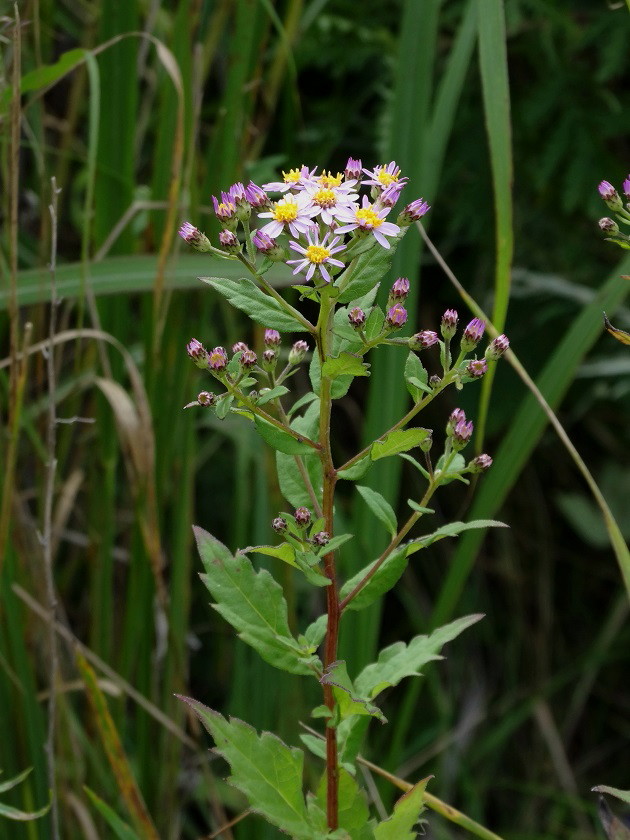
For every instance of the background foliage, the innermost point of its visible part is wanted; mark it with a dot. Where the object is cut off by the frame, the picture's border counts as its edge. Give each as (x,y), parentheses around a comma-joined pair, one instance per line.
(165,104)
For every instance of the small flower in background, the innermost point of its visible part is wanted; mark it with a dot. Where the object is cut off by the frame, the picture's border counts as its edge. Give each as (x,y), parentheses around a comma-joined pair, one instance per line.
(217,359)
(198,353)
(272,338)
(480,464)
(297,352)
(477,368)
(356,317)
(610,195)
(321,538)
(292,212)
(354,169)
(397,316)
(206,398)
(497,348)
(368,219)
(279,525)
(472,335)
(626,187)
(423,339)
(193,236)
(229,241)
(317,254)
(269,360)
(383,176)
(413,212)
(248,358)
(302,516)
(239,347)
(292,180)
(608,225)
(256,196)
(400,289)
(448,324)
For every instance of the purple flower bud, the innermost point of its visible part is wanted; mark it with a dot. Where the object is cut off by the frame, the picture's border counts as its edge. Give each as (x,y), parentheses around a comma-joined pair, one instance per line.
(239,347)
(256,196)
(237,194)
(480,464)
(272,338)
(400,289)
(193,236)
(269,359)
(422,340)
(610,195)
(279,525)
(434,380)
(224,210)
(356,317)
(263,242)
(608,225)
(297,352)
(391,194)
(354,169)
(497,348)
(198,353)
(472,335)
(456,415)
(448,325)
(397,316)
(248,358)
(476,368)
(206,398)
(302,516)
(414,211)
(229,241)
(626,187)
(462,433)
(217,359)
(321,538)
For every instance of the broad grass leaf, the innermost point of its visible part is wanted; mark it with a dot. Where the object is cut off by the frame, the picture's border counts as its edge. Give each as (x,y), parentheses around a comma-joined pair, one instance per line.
(387,576)
(246,296)
(349,700)
(399,441)
(253,603)
(380,507)
(263,767)
(402,660)
(406,812)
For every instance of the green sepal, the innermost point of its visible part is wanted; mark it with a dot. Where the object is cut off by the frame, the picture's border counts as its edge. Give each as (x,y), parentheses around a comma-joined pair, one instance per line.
(246,296)
(349,700)
(399,441)
(406,813)
(380,507)
(280,440)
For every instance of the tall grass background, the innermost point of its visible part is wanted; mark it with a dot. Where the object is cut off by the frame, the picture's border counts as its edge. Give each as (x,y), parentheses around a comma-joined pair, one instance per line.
(505,116)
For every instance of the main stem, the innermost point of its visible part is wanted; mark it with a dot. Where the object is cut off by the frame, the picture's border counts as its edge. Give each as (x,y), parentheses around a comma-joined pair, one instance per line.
(324,338)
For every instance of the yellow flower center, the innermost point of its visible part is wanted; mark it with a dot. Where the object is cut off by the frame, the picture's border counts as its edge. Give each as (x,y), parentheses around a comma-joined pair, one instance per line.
(292,176)
(225,208)
(285,211)
(327,179)
(317,254)
(325,197)
(366,217)
(386,178)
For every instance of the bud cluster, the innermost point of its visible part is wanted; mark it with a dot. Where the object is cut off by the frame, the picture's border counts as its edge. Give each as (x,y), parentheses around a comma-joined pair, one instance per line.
(613,201)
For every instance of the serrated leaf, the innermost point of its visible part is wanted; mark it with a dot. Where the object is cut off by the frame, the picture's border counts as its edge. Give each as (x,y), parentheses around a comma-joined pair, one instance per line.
(280,440)
(354,814)
(340,385)
(346,364)
(253,603)
(263,767)
(416,377)
(368,269)
(386,576)
(284,552)
(407,810)
(246,296)
(452,529)
(357,470)
(271,394)
(349,700)
(290,478)
(380,507)
(400,660)
(399,441)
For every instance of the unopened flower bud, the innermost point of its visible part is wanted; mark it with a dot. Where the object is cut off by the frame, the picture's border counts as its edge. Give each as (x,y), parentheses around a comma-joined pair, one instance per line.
(279,525)
(248,358)
(269,360)
(302,516)
(397,316)
(472,335)
(626,187)
(427,443)
(356,317)
(497,348)
(321,538)
(391,194)
(198,353)
(256,196)
(462,433)
(400,289)
(448,324)
(477,368)
(480,464)
(272,338)
(297,352)
(610,195)
(267,246)
(239,347)
(206,398)
(434,380)
(414,211)
(607,225)
(217,359)
(456,415)
(229,241)
(225,211)
(354,170)
(422,340)
(193,236)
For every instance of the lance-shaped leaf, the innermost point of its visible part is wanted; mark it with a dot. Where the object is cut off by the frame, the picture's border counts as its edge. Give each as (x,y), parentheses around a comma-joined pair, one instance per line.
(380,507)
(14,813)
(345,364)
(253,603)
(263,767)
(270,394)
(400,660)
(367,270)
(284,552)
(290,474)
(385,577)
(349,699)
(246,296)
(416,377)
(119,827)
(357,470)
(280,439)
(354,814)
(451,530)
(406,813)
(399,441)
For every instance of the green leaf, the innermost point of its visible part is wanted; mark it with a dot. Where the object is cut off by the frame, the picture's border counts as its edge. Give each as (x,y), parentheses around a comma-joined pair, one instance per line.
(47,74)
(380,507)
(15,781)
(418,508)
(367,270)
(624,795)
(223,405)
(253,603)
(374,323)
(349,700)
(406,812)
(120,828)
(246,296)
(381,581)
(315,632)
(313,575)
(271,394)
(280,440)
(400,660)
(416,377)
(399,441)
(416,464)
(305,400)
(291,482)
(357,470)
(335,543)
(263,767)
(451,530)
(340,385)
(284,552)
(345,364)
(354,814)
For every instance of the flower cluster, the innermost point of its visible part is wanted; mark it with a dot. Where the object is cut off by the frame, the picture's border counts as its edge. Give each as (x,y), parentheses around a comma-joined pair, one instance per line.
(614,202)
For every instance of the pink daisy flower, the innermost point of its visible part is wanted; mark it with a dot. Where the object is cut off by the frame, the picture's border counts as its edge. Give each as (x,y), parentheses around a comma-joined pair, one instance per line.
(292,180)
(368,218)
(292,211)
(317,254)
(383,176)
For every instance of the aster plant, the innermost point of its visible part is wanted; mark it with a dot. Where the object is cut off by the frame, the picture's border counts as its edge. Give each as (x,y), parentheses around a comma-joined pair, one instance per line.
(337,232)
